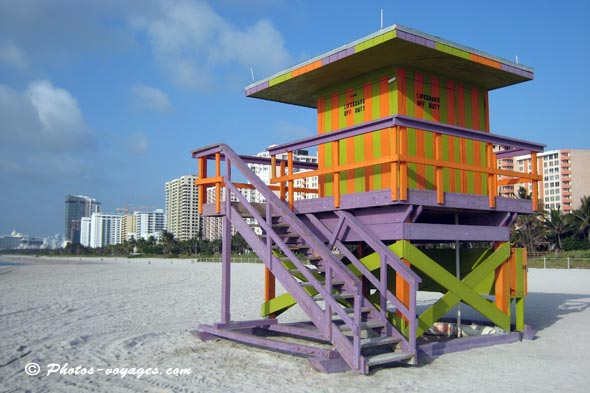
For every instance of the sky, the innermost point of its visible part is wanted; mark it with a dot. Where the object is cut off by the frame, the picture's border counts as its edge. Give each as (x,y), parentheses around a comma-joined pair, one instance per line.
(107,98)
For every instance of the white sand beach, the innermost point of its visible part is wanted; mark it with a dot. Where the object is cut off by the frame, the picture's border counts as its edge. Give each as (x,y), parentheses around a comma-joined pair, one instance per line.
(115,314)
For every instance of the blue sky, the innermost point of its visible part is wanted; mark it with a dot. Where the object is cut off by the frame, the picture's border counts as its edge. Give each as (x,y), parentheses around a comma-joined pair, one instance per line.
(107,98)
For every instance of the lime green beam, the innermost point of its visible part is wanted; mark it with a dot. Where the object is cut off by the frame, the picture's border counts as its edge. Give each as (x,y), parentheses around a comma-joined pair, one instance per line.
(458,290)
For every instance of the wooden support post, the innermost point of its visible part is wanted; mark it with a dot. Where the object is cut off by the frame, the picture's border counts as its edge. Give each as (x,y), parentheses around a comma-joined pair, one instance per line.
(217,185)
(440,191)
(535,182)
(403,169)
(201,198)
(336,179)
(402,292)
(291,183)
(269,286)
(273,167)
(502,287)
(282,188)
(394,164)
(491,164)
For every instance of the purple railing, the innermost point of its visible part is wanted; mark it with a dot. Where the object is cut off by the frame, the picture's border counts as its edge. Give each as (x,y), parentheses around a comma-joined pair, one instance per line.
(323,320)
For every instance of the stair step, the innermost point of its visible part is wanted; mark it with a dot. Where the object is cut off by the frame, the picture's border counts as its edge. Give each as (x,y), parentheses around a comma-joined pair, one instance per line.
(388,358)
(350,310)
(260,208)
(334,283)
(339,296)
(365,325)
(377,341)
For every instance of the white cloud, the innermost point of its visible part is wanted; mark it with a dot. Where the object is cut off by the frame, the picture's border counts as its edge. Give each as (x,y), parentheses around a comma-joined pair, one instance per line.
(190,41)
(150,98)
(42,131)
(12,56)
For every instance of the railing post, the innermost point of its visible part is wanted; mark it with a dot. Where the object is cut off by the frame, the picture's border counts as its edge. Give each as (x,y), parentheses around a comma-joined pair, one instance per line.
(201,188)
(535,182)
(336,177)
(568,262)
(491,161)
(395,163)
(217,184)
(226,253)
(290,183)
(440,195)
(282,188)
(403,166)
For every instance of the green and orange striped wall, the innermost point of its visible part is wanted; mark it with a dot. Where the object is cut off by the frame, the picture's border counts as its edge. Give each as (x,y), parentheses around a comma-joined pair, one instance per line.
(408,92)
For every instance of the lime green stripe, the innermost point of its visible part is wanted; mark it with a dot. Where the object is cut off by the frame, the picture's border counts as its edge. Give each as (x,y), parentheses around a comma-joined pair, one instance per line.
(484,160)
(279,79)
(445,157)
(377,153)
(429,153)
(470,175)
(359,156)
(375,41)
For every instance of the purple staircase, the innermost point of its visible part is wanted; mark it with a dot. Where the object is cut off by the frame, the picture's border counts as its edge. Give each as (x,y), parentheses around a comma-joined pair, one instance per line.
(346,329)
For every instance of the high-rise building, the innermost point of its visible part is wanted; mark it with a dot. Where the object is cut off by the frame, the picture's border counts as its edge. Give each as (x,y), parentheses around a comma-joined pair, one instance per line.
(77,206)
(566,177)
(128,227)
(264,173)
(85,225)
(105,229)
(182,217)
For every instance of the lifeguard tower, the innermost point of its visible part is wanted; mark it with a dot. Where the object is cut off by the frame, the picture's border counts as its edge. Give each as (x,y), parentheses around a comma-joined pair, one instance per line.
(406,201)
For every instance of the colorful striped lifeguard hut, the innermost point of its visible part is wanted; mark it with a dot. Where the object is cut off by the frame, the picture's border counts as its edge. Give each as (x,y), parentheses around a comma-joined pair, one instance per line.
(407,200)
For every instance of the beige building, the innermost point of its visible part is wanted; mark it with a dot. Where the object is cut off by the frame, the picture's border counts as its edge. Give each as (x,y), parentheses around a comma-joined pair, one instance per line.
(566,177)
(182,217)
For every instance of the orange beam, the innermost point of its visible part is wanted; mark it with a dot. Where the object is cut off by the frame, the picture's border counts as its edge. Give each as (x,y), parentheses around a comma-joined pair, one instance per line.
(440,191)
(201,188)
(394,164)
(502,287)
(403,168)
(491,163)
(336,156)
(282,189)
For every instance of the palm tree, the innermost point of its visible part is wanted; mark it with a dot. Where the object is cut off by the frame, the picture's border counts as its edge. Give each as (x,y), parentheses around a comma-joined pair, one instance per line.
(556,225)
(581,218)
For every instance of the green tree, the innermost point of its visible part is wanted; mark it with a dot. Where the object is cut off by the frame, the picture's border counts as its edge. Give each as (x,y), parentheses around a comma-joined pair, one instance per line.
(556,226)
(581,218)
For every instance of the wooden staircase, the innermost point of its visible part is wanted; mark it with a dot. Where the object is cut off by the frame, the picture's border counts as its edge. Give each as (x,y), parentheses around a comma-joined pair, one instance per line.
(298,250)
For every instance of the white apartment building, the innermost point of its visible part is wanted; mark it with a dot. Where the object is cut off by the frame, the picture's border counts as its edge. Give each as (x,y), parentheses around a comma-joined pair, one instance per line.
(566,177)
(105,229)
(264,173)
(182,217)
(85,225)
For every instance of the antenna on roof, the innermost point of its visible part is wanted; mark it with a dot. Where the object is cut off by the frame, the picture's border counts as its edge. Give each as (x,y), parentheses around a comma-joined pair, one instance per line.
(252,73)
(381,18)
(516,59)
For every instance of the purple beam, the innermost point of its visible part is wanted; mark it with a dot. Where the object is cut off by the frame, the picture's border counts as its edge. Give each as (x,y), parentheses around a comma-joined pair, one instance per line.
(410,122)
(268,343)
(462,344)
(210,154)
(426,198)
(226,257)
(299,329)
(246,324)
(511,153)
